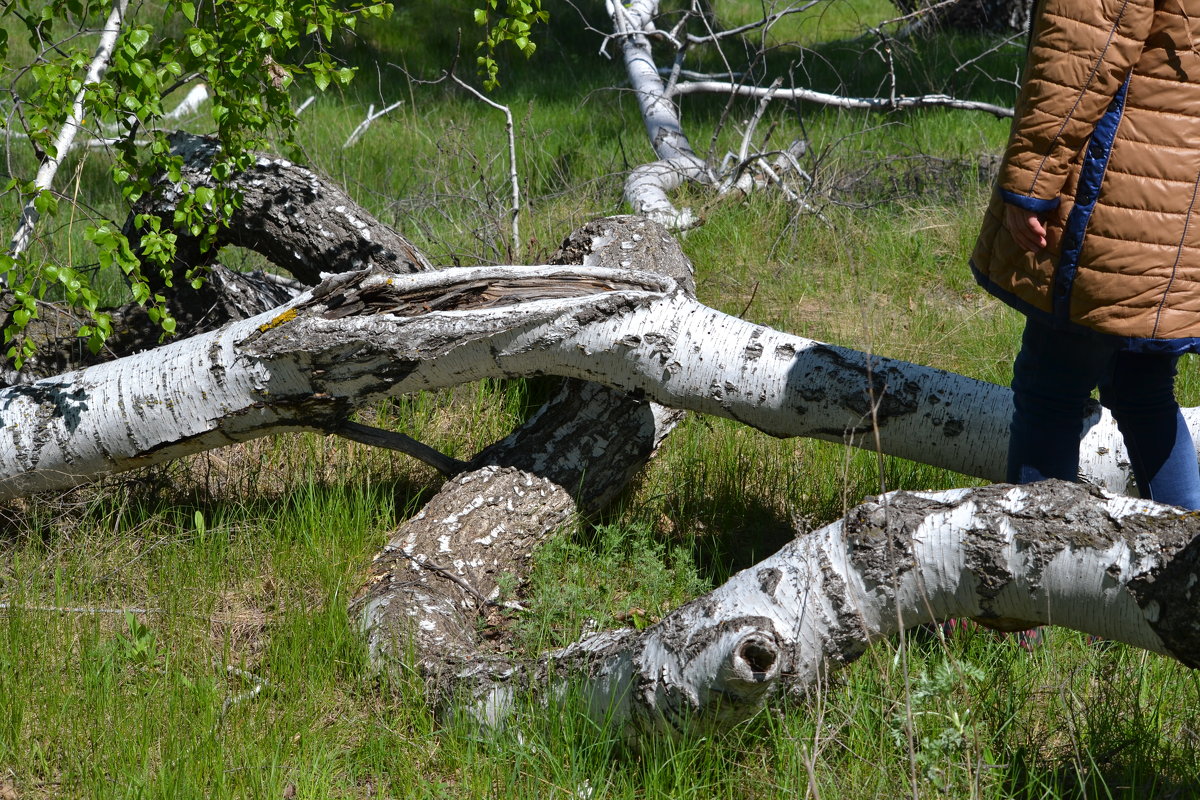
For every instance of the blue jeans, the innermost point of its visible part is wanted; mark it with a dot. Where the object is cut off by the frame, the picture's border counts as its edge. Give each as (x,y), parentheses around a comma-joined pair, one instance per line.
(1053,378)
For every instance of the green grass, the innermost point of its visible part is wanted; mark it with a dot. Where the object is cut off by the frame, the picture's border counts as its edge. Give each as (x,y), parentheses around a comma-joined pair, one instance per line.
(247,556)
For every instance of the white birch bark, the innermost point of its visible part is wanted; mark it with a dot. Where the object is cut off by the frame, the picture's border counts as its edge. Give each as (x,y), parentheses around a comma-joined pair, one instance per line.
(1010,557)
(440,569)
(648,185)
(840,101)
(362,336)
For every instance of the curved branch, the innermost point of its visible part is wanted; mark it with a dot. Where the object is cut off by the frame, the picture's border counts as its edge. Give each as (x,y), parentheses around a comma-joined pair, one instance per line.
(573,457)
(1010,557)
(291,216)
(401,443)
(363,336)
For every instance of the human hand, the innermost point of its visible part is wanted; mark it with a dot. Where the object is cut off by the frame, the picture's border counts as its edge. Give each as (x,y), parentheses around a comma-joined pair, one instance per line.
(1027,228)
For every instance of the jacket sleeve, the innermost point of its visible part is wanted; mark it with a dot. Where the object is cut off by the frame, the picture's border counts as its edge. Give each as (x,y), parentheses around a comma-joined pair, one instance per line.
(1080,54)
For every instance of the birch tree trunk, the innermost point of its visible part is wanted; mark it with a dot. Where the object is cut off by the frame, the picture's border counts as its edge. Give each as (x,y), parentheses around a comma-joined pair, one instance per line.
(363,336)
(658,89)
(1009,556)
(442,568)
(648,185)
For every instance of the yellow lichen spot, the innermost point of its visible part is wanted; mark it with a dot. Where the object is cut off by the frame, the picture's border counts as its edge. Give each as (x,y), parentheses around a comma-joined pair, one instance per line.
(286,316)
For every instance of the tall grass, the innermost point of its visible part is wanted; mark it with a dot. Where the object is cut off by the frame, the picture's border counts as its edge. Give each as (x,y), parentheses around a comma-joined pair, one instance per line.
(246,557)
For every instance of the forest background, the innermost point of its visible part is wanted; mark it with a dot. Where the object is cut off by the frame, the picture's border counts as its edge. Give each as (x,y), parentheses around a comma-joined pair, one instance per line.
(236,670)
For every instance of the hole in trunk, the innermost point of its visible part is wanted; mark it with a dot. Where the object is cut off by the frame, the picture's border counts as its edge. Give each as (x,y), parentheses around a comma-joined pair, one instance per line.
(760,657)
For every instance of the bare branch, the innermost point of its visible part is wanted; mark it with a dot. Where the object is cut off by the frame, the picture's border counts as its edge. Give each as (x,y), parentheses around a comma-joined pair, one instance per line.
(515,210)
(372,115)
(402,443)
(838,101)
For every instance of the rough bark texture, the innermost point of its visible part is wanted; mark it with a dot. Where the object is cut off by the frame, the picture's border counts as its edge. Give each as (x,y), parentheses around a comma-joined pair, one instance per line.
(363,336)
(440,569)
(298,221)
(1011,557)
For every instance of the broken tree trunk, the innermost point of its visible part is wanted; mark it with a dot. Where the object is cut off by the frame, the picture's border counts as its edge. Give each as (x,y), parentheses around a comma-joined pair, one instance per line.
(288,214)
(363,336)
(443,567)
(1009,556)
(1012,557)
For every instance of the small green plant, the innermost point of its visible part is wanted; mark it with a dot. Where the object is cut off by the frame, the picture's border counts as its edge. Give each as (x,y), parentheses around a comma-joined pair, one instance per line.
(138,645)
(942,730)
(616,574)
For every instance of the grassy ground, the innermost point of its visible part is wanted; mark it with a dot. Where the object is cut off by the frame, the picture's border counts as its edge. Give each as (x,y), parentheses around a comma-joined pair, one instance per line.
(246,557)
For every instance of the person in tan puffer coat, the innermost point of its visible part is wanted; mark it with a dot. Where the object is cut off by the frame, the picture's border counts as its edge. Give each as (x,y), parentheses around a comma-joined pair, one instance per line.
(1091,234)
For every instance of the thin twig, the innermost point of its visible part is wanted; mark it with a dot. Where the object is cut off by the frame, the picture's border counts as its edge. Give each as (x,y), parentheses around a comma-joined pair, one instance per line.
(230,702)
(512,161)
(765,22)
(393,440)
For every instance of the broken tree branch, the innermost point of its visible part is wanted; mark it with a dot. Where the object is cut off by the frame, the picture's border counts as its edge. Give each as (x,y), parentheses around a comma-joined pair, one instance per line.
(838,101)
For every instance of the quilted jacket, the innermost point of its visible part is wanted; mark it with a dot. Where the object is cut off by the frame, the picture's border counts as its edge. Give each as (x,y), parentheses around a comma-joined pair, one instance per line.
(1106,145)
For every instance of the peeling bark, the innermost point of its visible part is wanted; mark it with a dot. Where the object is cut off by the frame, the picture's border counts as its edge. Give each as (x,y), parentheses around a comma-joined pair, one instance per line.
(440,569)
(363,336)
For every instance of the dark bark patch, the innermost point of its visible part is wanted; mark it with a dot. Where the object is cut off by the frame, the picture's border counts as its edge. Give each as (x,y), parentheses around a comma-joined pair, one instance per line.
(1169,594)
(67,401)
(879,538)
(705,636)
(847,640)
(768,580)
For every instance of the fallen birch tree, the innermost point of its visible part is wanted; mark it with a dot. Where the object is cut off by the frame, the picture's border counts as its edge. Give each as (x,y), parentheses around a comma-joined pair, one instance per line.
(1011,557)
(640,24)
(362,336)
